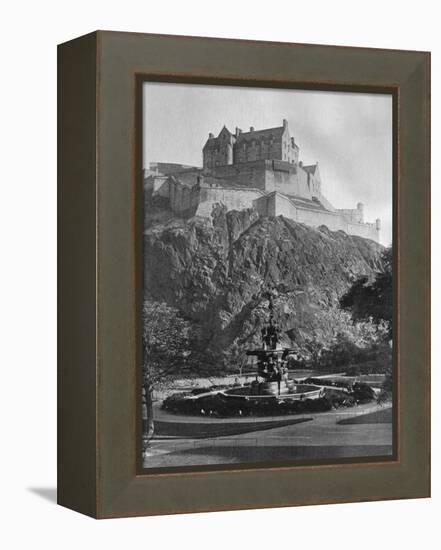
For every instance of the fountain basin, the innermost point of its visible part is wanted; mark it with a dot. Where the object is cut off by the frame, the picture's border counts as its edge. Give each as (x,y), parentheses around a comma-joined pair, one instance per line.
(265,390)
(241,401)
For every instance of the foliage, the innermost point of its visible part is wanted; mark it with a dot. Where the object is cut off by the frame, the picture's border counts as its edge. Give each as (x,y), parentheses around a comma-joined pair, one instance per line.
(362,393)
(165,341)
(372,300)
(359,392)
(171,346)
(387,387)
(340,399)
(233,356)
(220,405)
(344,342)
(376,360)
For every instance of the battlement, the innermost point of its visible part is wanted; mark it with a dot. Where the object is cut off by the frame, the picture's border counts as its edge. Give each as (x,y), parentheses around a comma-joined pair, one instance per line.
(256,169)
(277,204)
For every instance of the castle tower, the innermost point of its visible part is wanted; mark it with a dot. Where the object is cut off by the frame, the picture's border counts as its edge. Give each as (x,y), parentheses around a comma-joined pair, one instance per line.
(218,151)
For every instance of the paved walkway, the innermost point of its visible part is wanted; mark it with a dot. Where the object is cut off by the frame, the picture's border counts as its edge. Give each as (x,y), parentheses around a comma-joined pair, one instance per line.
(322,437)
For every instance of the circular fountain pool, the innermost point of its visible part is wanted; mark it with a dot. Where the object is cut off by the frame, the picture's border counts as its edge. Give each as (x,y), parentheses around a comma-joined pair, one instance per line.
(284,391)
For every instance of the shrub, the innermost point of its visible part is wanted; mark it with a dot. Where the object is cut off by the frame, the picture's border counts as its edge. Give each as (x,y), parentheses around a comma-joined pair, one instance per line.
(230,406)
(359,392)
(362,393)
(338,400)
(334,383)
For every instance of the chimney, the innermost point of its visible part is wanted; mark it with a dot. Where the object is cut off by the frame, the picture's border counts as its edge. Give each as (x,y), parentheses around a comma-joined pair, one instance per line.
(251,128)
(238,131)
(210,135)
(285,123)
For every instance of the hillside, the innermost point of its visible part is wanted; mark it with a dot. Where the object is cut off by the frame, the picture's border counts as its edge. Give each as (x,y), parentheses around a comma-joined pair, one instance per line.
(214,273)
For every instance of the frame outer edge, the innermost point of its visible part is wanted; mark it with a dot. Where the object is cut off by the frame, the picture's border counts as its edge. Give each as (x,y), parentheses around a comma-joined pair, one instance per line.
(77,381)
(121,492)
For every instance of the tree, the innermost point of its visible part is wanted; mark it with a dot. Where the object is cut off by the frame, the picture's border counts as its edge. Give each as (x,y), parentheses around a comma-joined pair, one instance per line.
(315,349)
(367,299)
(165,340)
(334,340)
(171,346)
(233,357)
(373,300)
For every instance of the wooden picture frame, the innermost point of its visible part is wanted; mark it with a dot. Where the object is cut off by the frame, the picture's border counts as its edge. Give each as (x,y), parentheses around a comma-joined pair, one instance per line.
(100,216)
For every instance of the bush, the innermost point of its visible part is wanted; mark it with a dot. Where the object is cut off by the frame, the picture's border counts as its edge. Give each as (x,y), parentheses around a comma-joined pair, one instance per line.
(386,392)
(230,406)
(378,366)
(221,405)
(359,392)
(338,400)
(321,382)
(362,393)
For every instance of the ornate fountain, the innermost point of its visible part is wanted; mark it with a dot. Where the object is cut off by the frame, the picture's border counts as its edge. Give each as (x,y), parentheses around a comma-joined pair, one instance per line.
(272,385)
(272,377)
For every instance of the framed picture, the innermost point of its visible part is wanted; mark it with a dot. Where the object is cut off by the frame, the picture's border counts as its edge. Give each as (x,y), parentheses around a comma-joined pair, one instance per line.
(244,274)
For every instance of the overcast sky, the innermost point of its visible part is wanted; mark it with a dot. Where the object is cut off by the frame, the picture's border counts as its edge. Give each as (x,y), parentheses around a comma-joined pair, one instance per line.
(349,134)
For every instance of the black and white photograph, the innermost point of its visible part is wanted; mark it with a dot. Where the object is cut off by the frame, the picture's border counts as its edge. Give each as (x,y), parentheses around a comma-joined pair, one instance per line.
(267,276)
(219,275)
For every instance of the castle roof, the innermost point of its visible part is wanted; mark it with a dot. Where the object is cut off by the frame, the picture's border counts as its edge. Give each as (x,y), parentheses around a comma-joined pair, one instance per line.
(261,134)
(303,202)
(267,133)
(188,179)
(213,142)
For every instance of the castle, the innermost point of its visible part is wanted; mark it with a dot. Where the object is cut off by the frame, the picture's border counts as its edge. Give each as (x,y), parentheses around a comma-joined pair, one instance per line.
(258,169)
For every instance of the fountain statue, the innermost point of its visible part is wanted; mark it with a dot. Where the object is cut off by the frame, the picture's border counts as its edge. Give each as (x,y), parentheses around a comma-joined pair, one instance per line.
(272,383)
(272,359)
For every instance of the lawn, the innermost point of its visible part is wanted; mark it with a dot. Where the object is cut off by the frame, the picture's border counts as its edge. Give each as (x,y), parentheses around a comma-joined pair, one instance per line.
(197,430)
(383,416)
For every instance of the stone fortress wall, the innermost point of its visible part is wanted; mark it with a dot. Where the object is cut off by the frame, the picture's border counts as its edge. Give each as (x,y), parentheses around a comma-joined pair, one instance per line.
(255,169)
(234,198)
(183,199)
(276,204)
(199,200)
(269,175)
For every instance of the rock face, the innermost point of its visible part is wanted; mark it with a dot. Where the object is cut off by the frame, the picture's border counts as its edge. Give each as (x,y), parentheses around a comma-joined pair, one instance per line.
(215,273)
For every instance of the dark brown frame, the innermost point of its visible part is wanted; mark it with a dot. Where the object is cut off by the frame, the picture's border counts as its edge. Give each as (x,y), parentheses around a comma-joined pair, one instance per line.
(99,272)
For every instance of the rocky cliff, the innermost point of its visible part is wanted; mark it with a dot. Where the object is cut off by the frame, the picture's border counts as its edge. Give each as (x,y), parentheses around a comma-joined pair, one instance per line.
(215,273)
